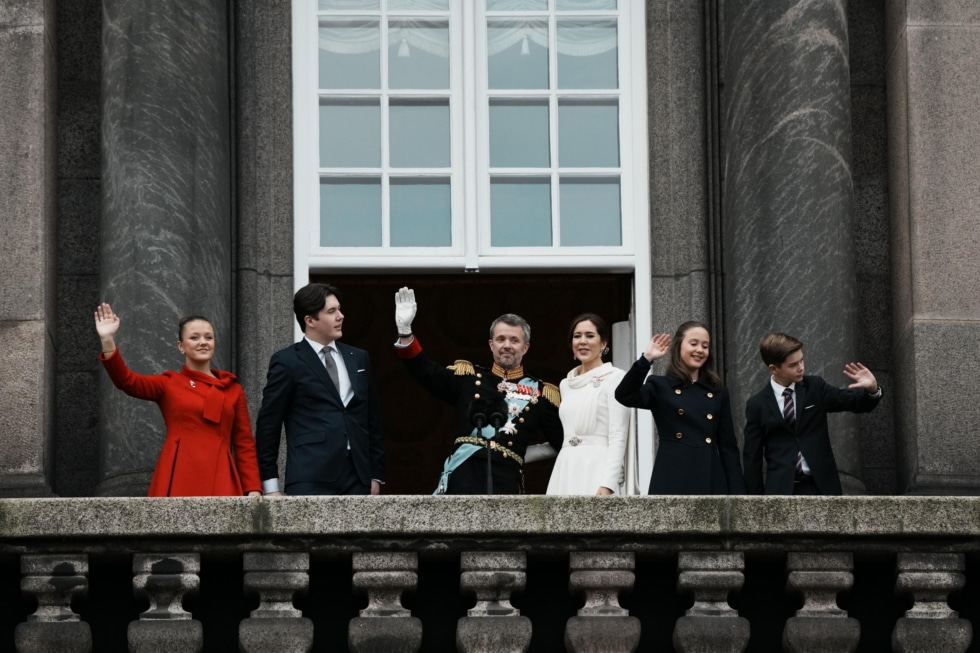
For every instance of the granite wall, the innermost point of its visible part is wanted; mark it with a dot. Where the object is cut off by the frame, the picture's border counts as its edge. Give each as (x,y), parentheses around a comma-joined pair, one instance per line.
(933,77)
(79,51)
(688,259)
(28,216)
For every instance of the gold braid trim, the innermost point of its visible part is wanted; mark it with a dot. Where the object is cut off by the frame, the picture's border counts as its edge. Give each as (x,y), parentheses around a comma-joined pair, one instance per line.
(552,394)
(462,368)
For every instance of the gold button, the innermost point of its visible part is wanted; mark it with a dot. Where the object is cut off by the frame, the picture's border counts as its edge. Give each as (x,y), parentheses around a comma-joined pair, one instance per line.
(476,396)
(680,435)
(521,420)
(510,444)
(527,408)
(680,411)
(677,391)
(515,431)
(477,383)
(710,395)
(708,440)
(710,416)
(479,376)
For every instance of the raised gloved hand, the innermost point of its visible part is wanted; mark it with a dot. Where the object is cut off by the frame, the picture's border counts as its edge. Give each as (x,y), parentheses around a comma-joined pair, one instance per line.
(404,311)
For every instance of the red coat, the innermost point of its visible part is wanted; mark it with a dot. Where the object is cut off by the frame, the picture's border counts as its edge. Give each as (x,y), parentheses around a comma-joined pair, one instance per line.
(204,417)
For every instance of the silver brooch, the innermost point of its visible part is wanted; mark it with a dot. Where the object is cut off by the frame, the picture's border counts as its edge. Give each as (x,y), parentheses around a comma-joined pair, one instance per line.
(574,440)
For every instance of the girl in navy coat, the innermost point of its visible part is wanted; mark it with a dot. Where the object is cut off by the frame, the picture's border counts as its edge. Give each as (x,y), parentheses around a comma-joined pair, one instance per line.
(698,452)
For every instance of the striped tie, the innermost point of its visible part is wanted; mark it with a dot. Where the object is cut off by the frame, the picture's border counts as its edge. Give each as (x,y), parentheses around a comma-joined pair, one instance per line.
(789,414)
(789,410)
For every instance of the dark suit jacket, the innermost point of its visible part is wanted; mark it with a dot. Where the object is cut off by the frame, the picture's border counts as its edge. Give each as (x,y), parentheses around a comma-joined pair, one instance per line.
(300,395)
(767,434)
(698,452)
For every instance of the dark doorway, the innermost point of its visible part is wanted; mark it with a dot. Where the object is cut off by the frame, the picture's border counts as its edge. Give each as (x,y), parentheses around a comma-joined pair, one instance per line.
(454,316)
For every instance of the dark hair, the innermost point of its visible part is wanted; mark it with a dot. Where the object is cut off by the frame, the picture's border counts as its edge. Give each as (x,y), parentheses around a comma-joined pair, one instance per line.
(776,348)
(512,320)
(601,327)
(310,300)
(185,320)
(675,368)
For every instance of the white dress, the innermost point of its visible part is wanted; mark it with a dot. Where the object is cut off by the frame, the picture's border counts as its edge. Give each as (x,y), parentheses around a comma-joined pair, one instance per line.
(596,428)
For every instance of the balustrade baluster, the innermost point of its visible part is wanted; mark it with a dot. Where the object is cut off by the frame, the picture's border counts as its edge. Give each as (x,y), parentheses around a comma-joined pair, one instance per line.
(276,625)
(820,626)
(53,580)
(602,625)
(711,625)
(930,626)
(493,625)
(385,626)
(165,580)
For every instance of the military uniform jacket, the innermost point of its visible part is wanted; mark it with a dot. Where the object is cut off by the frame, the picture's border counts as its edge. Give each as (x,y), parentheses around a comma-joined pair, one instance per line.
(698,452)
(767,434)
(463,383)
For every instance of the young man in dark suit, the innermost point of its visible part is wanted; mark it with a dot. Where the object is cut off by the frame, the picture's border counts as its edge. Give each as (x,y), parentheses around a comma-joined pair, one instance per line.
(323,391)
(786,422)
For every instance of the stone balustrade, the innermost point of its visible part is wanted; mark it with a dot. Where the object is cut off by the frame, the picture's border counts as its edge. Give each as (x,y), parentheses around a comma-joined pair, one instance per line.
(472,574)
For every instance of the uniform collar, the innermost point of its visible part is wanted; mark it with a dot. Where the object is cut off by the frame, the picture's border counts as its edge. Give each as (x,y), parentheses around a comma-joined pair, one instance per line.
(513,374)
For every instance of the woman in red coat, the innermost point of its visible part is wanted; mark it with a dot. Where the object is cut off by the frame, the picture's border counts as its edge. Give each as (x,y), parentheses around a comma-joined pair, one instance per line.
(204,410)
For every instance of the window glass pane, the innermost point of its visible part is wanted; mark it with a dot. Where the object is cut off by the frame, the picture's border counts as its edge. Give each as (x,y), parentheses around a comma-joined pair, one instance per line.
(421,214)
(590,213)
(418,54)
(428,5)
(516,5)
(520,212)
(350,54)
(519,134)
(419,132)
(349,4)
(588,134)
(350,133)
(350,212)
(579,5)
(587,54)
(518,52)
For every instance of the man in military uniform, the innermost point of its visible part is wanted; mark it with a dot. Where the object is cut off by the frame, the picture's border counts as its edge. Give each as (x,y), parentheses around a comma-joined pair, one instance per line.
(498,409)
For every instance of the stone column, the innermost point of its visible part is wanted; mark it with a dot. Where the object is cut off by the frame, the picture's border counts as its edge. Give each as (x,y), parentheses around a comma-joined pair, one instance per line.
(788,197)
(166,226)
(931,626)
(166,626)
(602,626)
(276,625)
(820,626)
(53,581)
(28,177)
(711,625)
(493,625)
(385,626)
(933,73)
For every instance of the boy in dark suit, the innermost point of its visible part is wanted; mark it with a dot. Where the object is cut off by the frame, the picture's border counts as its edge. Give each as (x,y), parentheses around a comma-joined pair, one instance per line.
(786,422)
(323,391)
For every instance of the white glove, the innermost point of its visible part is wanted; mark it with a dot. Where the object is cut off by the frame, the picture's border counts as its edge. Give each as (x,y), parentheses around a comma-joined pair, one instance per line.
(404,311)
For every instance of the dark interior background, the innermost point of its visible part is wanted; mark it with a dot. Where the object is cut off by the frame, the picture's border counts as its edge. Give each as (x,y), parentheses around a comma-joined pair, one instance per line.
(453,320)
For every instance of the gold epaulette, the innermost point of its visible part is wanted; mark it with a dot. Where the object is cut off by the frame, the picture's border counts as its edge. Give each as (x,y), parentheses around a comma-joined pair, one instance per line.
(463,368)
(552,394)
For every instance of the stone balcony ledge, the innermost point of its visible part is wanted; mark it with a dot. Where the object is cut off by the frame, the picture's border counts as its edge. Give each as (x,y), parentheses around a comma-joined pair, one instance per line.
(518,522)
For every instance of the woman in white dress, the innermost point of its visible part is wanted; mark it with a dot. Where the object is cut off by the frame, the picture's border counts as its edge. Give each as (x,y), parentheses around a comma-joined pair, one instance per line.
(596,425)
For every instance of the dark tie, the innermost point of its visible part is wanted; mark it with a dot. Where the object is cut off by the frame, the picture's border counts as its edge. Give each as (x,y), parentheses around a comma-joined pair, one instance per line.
(789,414)
(331,366)
(789,410)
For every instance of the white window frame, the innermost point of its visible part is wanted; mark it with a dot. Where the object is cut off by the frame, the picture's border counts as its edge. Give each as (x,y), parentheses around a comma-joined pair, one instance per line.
(470,199)
(469,174)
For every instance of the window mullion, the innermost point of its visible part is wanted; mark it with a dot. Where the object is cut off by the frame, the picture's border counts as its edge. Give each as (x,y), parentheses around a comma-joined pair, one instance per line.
(553,126)
(473,109)
(385,101)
